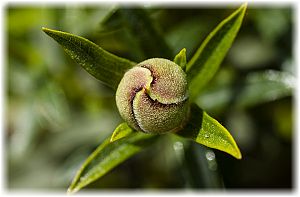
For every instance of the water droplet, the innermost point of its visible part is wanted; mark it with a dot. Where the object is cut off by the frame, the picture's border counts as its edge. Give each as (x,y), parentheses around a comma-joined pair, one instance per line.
(210,155)
(178,146)
(206,135)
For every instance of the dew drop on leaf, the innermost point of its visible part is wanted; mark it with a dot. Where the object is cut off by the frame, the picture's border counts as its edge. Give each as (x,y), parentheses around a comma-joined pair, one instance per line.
(210,155)
(178,146)
(206,135)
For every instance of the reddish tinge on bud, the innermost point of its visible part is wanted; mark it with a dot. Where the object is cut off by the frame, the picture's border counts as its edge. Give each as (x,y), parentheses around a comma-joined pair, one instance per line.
(152,97)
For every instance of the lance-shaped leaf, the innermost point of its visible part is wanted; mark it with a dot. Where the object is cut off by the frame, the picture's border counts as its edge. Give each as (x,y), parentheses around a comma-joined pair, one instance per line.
(180,59)
(256,88)
(109,155)
(206,61)
(121,131)
(147,35)
(205,130)
(265,86)
(103,65)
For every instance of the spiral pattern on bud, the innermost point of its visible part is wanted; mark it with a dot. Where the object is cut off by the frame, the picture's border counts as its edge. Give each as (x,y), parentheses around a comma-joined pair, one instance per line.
(152,96)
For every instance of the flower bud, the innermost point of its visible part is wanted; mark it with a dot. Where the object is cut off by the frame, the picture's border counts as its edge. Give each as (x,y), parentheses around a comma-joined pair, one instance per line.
(152,96)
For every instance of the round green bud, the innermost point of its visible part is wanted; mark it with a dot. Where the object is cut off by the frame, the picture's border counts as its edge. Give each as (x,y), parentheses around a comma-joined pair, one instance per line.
(152,96)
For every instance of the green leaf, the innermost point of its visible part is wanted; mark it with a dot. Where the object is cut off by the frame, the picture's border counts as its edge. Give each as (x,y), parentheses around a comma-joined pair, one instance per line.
(147,35)
(265,86)
(206,61)
(103,65)
(180,59)
(121,131)
(205,130)
(257,88)
(109,155)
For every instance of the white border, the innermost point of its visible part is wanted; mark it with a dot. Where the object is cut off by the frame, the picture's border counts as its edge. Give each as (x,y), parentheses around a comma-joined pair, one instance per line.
(2,95)
(235,192)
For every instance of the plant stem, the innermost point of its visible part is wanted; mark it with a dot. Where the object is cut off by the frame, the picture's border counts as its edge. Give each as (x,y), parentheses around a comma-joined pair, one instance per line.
(198,165)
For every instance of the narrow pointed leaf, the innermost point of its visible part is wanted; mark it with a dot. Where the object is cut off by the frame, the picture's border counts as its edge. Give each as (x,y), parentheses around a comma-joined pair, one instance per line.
(103,65)
(206,61)
(207,131)
(180,59)
(147,35)
(265,86)
(257,88)
(107,156)
(121,131)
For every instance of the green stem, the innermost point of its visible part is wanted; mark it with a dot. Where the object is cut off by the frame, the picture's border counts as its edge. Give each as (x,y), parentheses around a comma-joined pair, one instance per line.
(197,164)
(203,167)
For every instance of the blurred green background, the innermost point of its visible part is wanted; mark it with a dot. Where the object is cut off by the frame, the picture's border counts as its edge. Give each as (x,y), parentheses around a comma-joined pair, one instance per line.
(57,114)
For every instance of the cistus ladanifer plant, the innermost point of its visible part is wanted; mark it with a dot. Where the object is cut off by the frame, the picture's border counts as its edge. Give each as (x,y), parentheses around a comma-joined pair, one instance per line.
(154,97)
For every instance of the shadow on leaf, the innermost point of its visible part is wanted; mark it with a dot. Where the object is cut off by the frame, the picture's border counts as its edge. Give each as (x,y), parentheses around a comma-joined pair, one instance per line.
(207,131)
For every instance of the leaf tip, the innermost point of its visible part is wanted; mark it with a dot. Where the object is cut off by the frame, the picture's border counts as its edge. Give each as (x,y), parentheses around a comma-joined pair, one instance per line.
(238,154)
(239,157)
(71,191)
(244,5)
(180,59)
(45,29)
(52,32)
(182,52)
(123,130)
(112,139)
(236,151)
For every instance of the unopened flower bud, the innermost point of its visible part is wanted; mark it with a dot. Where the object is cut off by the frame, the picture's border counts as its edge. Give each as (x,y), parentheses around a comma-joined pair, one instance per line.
(152,96)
